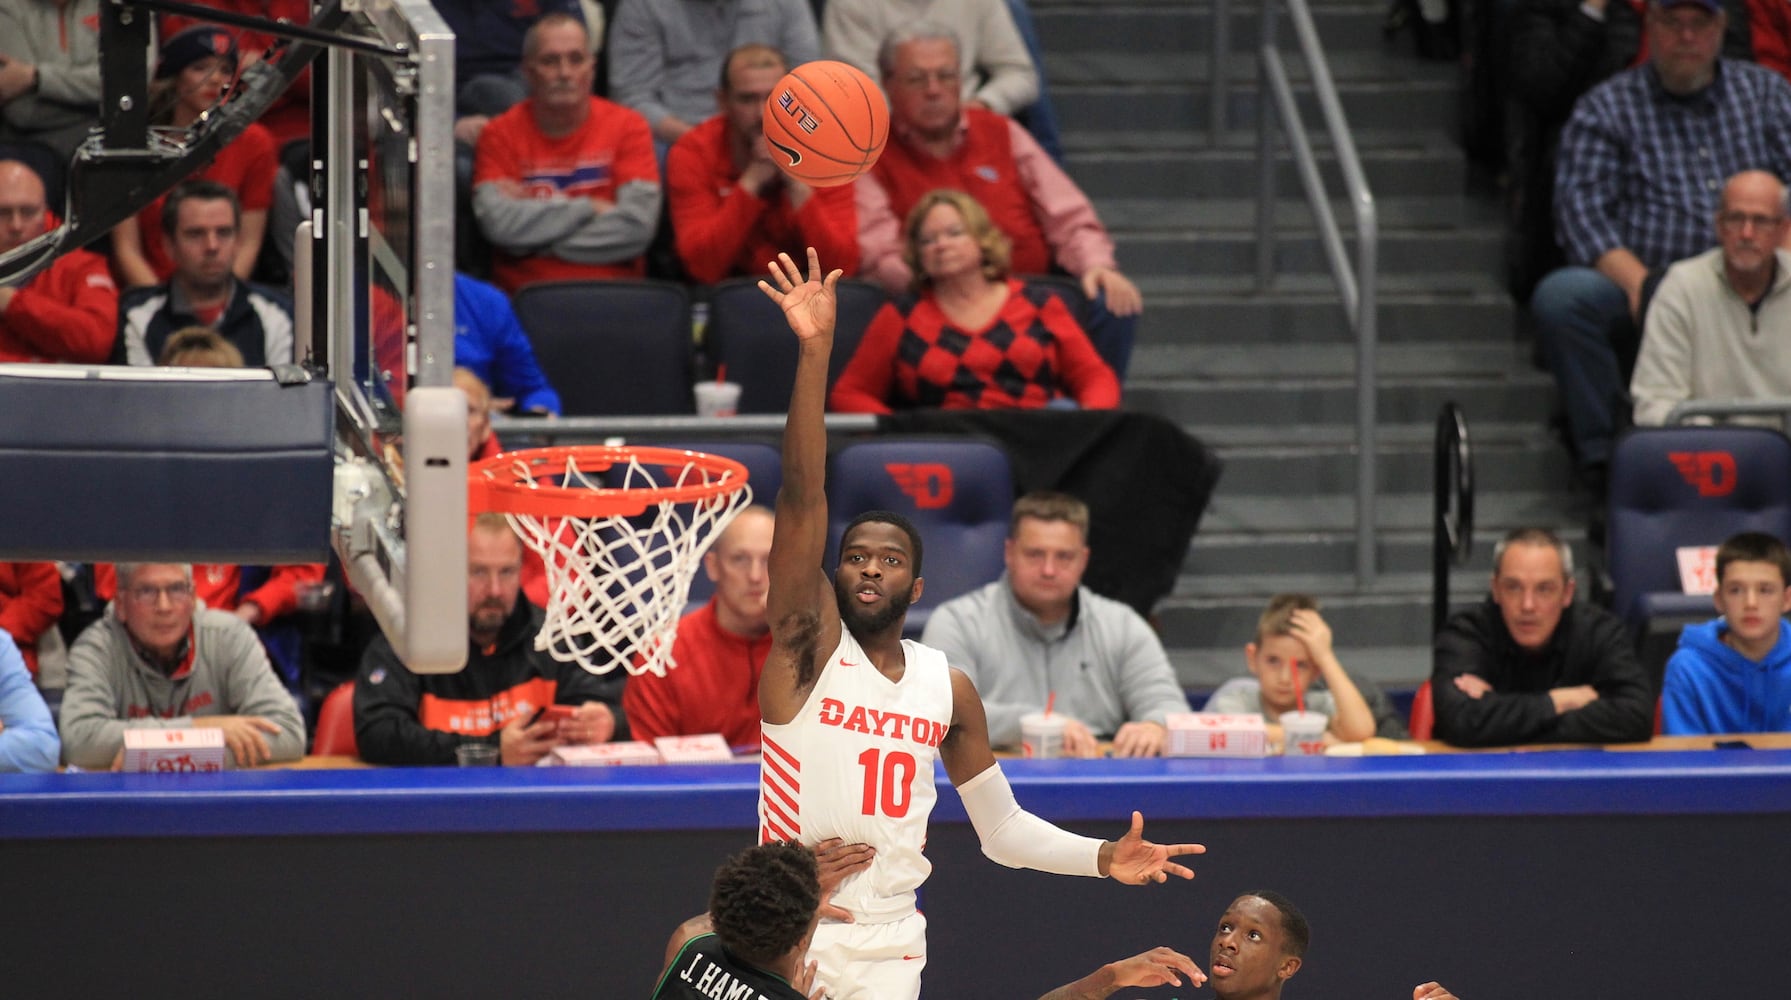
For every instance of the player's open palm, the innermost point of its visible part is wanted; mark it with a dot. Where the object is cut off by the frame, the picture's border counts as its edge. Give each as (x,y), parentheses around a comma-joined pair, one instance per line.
(808,305)
(1157,967)
(1136,861)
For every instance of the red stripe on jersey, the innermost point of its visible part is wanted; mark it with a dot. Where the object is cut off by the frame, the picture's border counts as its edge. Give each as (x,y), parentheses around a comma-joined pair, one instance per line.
(779,785)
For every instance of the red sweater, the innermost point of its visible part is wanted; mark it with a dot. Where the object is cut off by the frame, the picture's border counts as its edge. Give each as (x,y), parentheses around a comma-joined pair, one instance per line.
(724,230)
(983,166)
(713,689)
(30,602)
(1032,352)
(612,148)
(66,312)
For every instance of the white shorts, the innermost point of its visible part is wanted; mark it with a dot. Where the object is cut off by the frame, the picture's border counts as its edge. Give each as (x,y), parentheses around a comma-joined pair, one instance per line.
(871,961)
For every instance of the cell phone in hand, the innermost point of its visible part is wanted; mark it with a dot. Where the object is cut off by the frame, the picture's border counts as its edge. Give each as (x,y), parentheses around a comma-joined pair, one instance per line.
(553,713)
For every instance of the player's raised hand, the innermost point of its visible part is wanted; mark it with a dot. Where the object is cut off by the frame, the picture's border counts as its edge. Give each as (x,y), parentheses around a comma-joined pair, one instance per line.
(1157,967)
(1432,991)
(1135,861)
(808,305)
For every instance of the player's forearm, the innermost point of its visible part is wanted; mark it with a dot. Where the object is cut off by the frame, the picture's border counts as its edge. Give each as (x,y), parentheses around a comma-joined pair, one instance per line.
(1097,985)
(805,429)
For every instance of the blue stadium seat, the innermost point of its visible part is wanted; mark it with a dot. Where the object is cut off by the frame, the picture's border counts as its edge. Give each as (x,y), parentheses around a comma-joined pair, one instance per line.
(1673,487)
(747,333)
(612,348)
(957,491)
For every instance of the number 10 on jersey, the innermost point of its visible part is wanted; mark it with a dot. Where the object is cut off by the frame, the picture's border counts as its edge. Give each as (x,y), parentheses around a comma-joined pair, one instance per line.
(888,782)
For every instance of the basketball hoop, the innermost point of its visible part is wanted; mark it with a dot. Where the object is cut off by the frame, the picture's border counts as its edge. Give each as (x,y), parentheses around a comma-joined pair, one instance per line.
(621,530)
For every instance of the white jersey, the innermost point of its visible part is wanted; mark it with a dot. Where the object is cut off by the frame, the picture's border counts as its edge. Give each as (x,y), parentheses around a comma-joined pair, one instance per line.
(857,763)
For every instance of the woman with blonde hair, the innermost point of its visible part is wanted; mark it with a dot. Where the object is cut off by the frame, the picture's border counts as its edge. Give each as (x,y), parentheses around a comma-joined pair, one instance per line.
(971,336)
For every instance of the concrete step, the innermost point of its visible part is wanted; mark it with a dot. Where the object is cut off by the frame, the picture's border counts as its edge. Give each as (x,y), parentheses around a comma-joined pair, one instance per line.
(1291,213)
(1416,169)
(1286,513)
(1407,251)
(1406,360)
(1426,104)
(1192,67)
(1170,322)
(1169,26)
(1540,466)
(1508,396)
(1333,553)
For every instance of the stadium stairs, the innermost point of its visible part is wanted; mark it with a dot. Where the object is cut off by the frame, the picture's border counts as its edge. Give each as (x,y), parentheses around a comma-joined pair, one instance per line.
(1268,378)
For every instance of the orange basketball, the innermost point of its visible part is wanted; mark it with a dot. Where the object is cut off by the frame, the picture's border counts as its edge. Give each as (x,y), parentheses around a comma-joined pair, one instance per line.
(825,123)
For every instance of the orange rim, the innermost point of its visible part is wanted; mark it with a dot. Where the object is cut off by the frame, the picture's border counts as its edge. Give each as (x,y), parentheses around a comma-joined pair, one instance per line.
(495,484)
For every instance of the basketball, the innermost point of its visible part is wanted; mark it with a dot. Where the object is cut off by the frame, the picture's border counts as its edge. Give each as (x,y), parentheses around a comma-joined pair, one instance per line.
(825,123)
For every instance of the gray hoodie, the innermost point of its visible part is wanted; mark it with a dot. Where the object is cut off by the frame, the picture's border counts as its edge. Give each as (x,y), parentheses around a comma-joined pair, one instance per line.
(111,688)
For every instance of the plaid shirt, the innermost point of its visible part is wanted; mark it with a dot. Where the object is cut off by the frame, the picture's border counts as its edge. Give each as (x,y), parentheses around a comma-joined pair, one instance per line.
(1643,169)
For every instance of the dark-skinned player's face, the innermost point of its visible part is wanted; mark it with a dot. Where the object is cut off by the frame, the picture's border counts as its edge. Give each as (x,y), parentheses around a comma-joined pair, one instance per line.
(875,581)
(1248,957)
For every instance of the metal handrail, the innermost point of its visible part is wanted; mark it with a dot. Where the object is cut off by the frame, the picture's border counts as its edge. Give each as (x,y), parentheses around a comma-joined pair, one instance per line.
(1452,538)
(1358,289)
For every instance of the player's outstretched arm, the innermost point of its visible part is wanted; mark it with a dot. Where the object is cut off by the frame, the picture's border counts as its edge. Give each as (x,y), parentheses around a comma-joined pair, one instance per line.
(1156,967)
(805,622)
(1012,836)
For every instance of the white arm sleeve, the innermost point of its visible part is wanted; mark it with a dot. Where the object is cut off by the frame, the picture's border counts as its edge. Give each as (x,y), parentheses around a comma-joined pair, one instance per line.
(1013,837)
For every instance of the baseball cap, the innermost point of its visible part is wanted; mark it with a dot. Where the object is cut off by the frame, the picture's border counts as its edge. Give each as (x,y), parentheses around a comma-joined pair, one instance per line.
(184,48)
(1713,6)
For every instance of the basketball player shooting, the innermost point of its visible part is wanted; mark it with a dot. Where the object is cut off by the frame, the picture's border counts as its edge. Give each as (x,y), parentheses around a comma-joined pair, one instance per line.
(854,715)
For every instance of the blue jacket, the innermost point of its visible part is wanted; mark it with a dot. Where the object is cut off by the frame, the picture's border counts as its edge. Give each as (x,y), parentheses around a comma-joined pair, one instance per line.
(1711,688)
(28,743)
(490,343)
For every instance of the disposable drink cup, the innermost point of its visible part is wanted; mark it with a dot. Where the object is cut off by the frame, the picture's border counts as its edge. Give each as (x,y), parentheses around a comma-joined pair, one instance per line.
(476,755)
(1303,734)
(717,399)
(1041,735)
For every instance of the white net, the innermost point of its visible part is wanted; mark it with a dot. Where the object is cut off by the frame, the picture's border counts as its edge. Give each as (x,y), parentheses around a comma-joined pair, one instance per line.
(617,583)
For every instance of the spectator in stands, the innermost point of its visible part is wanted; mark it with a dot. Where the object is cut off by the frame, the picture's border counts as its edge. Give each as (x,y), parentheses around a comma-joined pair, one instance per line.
(1530,666)
(994,71)
(201,223)
(1558,50)
(1260,943)
(27,732)
(481,441)
(406,718)
(1733,675)
(195,70)
(565,185)
(1037,632)
(971,337)
(1642,162)
(719,650)
(488,46)
(1719,327)
(30,603)
(490,342)
(49,72)
(665,55)
(1291,637)
(69,310)
(288,118)
(732,209)
(157,659)
(936,142)
(199,347)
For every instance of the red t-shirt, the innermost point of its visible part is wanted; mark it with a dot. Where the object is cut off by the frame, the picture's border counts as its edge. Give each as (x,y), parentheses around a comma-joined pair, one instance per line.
(246,166)
(612,148)
(713,689)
